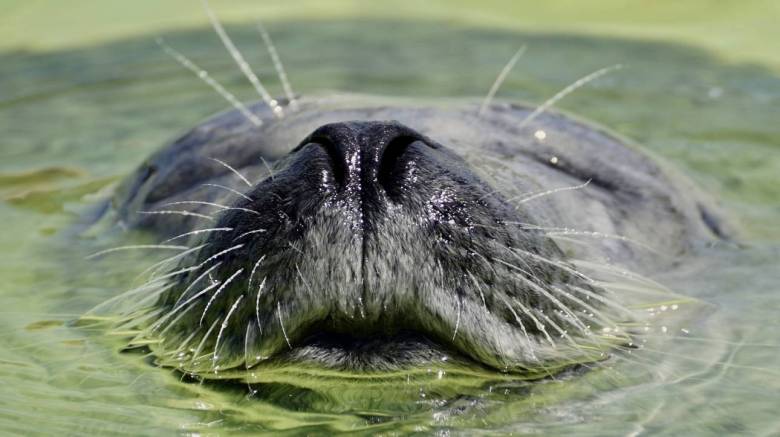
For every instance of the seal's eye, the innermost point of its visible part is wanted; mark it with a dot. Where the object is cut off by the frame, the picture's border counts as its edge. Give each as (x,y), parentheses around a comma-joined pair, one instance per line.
(392,163)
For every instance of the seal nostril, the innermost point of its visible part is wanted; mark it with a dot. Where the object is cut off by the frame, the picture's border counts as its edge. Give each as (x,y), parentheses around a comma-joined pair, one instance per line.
(335,156)
(391,163)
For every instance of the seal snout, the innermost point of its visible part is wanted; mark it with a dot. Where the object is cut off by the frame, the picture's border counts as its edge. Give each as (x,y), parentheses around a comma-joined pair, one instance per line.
(371,245)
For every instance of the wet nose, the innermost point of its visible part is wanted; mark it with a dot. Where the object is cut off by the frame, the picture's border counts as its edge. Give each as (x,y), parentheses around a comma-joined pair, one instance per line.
(368,157)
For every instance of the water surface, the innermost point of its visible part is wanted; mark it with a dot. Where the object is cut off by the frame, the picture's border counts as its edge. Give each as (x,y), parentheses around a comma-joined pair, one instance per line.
(76,120)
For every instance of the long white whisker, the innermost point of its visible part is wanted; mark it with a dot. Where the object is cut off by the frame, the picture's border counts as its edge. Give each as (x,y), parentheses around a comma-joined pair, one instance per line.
(257,303)
(216,293)
(172,323)
(210,81)
(500,80)
(234,191)
(539,325)
(268,167)
(305,283)
(528,197)
(249,233)
(603,319)
(196,353)
(479,288)
(566,91)
(575,320)
(604,300)
(281,324)
(241,62)
(195,281)
(546,260)
(217,255)
(176,308)
(222,330)
(522,326)
(252,273)
(156,267)
(554,232)
(269,45)
(198,232)
(195,296)
(608,268)
(236,172)
(137,247)
(174,212)
(457,321)
(212,204)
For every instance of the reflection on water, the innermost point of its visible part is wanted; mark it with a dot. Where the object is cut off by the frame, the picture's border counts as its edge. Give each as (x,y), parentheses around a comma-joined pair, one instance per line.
(74,122)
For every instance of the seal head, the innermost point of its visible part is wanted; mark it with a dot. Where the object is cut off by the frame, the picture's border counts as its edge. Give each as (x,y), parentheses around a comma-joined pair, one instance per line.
(375,245)
(367,231)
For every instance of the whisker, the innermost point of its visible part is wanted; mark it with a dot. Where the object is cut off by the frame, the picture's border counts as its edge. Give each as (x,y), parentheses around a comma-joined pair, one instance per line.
(246,350)
(222,330)
(210,81)
(479,288)
(174,212)
(269,45)
(198,279)
(539,325)
(175,272)
(281,324)
(236,172)
(217,255)
(529,197)
(252,273)
(216,293)
(248,233)
(603,319)
(608,268)
(241,62)
(566,91)
(196,353)
(500,80)
(305,283)
(257,303)
(522,327)
(193,298)
(533,284)
(212,204)
(604,300)
(563,333)
(563,231)
(161,321)
(137,247)
(198,232)
(457,320)
(515,251)
(268,167)
(234,191)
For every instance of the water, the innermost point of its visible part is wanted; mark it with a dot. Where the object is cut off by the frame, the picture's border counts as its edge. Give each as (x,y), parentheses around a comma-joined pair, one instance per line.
(74,121)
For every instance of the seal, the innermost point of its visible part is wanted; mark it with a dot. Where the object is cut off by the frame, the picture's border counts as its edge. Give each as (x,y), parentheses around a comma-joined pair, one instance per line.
(373,234)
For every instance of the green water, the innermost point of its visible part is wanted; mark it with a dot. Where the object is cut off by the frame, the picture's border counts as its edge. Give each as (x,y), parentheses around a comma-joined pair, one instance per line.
(74,120)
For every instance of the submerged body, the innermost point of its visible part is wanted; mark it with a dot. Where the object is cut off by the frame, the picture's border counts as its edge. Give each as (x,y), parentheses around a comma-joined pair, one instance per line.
(369,234)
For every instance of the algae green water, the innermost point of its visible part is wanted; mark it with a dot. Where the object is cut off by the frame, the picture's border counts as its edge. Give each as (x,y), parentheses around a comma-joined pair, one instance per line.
(86,95)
